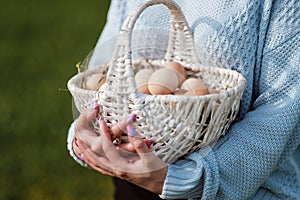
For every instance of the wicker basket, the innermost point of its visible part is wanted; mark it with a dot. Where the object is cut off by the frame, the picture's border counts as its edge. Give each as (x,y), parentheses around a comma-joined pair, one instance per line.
(177,124)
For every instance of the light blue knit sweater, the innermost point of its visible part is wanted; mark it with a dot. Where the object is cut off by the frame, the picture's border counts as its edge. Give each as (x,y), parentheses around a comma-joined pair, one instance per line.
(261,40)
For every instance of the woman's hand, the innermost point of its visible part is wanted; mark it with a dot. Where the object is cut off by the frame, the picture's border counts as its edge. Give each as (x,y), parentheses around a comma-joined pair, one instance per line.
(142,168)
(85,133)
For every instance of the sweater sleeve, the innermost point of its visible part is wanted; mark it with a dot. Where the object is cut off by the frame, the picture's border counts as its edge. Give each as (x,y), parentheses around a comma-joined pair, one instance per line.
(254,147)
(103,51)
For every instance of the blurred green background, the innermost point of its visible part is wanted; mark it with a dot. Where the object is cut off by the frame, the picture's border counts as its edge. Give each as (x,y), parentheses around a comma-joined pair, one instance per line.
(40,43)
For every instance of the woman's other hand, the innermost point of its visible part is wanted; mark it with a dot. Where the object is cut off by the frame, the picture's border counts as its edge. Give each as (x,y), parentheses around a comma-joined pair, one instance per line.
(142,168)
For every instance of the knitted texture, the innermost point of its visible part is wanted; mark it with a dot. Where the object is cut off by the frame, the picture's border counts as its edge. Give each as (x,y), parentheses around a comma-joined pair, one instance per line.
(260,39)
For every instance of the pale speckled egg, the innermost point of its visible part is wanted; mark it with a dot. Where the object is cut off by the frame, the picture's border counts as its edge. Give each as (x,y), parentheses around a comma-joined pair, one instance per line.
(192,83)
(141,80)
(162,81)
(180,71)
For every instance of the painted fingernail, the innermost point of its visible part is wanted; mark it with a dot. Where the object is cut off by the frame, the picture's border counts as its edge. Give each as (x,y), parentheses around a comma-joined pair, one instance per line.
(149,142)
(96,106)
(80,156)
(75,141)
(131,119)
(131,131)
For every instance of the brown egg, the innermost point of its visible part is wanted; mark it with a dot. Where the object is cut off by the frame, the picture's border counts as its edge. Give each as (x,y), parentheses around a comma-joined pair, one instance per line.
(180,92)
(180,71)
(141,80)
(197,92)
(94,82)
(162,81)
(213,91)
(103,87)
(192,83)
(101,82)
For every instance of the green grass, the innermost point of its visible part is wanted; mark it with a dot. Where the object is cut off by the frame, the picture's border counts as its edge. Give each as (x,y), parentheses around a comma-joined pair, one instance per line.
(40,43)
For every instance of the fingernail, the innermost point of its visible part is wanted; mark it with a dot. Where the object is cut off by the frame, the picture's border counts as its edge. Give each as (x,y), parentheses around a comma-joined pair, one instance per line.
(131,119)
(131,131)
(100,120)
(149,142)
(75,141)
(80,156)
(96,106)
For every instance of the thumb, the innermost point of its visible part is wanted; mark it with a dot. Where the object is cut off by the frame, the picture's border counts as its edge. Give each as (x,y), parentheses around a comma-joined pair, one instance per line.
(91,113)
(118,129)
(138,143)
(88,115)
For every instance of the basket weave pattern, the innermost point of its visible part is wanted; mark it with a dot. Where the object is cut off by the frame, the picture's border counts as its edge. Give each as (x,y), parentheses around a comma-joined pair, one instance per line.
(177,124)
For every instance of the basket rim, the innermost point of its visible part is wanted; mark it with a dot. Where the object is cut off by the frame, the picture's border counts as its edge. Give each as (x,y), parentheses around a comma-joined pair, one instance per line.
(238,87)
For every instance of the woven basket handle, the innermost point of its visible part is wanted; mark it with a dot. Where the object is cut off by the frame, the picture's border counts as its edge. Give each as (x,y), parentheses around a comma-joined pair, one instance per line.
(180,46)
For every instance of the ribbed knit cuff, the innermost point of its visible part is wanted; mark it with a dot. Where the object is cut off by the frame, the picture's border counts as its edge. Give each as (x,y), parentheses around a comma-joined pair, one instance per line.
(183,178)
(194,176)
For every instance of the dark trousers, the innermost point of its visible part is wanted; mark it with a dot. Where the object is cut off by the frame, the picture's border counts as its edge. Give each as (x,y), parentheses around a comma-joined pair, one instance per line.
(125,190)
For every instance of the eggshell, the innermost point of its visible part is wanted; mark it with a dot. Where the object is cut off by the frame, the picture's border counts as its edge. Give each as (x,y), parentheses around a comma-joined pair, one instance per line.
(101,82)
(103,87)
(193,83)
(162,81)
(197,92)
(180,71)
(94,82)
(213,91)
(180,92)
(141,80)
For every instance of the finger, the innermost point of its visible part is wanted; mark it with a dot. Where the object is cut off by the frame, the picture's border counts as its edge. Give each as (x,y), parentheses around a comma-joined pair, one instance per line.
(88,115)
(76,150)
(94,161)
(82,146)
(138,143)
(118,129)
(104,129)
(127,147)
(82,123)
(109,149)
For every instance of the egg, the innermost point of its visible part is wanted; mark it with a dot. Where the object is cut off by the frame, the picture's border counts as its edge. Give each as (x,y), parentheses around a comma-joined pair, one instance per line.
(192,83)
(141,80)
(213,91)
(180,92)
(196,92)
(94,82)
(103,87)
(180,71)
(162,81)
